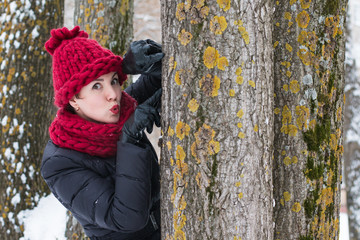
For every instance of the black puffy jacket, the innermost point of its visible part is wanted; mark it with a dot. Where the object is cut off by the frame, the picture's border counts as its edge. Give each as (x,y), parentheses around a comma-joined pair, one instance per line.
(112,198)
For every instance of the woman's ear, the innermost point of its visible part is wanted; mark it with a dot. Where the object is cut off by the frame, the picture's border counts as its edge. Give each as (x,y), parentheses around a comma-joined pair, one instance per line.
(73,103)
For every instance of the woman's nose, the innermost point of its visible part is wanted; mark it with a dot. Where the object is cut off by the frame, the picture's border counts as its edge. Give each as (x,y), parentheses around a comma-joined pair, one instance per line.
(111,94)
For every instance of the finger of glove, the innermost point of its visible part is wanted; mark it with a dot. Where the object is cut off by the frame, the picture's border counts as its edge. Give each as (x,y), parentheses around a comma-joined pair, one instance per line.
(137,44)
(153,58)
(139,49)
(154,117)
(146,121)
(128,63)
(152,42)
(157,119)
(149,127)
(154,99)
(154,46)
(154,70)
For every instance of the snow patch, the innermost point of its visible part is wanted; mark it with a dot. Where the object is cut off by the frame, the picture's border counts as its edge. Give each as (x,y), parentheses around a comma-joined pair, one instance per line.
(46,221)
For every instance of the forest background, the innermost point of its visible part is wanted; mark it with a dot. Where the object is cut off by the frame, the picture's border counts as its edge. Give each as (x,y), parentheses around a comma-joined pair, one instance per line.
(147,25)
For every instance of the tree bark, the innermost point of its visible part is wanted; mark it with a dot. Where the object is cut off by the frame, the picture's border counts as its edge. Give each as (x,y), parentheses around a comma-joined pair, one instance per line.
(109,22)
(217,120)
(26,105)
(309,97)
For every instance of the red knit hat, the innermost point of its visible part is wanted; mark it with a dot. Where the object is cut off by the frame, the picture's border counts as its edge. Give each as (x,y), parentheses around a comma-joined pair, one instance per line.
(77,61)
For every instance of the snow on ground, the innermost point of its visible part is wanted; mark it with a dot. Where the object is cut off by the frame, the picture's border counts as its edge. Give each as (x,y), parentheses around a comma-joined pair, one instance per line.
(46,221)
(344,227)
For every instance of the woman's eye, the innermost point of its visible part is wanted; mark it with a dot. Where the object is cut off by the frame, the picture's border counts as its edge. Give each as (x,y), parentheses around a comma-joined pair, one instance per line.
(96,86)
(115,81)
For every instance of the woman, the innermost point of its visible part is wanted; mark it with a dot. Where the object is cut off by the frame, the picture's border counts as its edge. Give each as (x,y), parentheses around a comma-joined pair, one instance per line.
(98,163)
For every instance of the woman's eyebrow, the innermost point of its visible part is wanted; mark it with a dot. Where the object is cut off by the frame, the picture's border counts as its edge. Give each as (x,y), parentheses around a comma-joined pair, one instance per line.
(100,79)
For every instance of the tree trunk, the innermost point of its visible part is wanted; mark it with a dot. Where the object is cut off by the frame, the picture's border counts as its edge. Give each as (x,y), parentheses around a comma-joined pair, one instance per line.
(109,22)
(217,120)
(309,97)
(26,105)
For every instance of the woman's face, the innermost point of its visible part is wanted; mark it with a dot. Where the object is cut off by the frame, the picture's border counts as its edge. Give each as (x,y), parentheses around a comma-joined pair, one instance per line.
(99,101)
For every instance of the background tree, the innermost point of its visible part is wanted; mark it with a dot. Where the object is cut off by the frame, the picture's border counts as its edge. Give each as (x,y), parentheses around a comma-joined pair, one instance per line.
(217,120)
(26,105)
(309,99)
(351,142)
(111,24)
(352,149)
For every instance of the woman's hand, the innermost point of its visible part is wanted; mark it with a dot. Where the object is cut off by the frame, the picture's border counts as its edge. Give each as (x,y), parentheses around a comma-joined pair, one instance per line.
(144,117)
(143,57)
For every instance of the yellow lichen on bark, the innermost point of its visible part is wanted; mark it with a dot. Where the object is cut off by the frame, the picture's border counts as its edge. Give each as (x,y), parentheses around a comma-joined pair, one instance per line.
(291,130)
(184,37)
(178,76)
(241,135)
(303,19)
(193,105)
(244,34)
(222,63)
(252,83)
(287,196)
(177,198)
(303,114)
(239,78)
(213,147)
(240,113)
(210,85)
(212,59)
(170,132)
(296,207)
(287,161)
(286,114)
(218,25)
(288,47)
(204,145)
(180,11)
(224,4)
(294,86)
(124,7)
(211,56)
(169,146)
(305,4)
(182,130)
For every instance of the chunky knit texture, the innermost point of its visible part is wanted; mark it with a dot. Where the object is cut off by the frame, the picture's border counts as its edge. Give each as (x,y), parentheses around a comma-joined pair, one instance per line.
(77,61)
(69,130)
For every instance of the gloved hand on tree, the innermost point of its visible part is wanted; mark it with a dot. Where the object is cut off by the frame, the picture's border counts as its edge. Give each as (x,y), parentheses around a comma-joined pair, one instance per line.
(143,57)
(144,117)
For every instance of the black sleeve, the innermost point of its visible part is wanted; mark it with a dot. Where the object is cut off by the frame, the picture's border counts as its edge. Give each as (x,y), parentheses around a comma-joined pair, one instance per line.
(143,88)
(123,206)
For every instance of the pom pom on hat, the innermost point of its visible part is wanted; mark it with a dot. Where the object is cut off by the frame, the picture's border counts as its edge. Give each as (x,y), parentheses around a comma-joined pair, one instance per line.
(57,35)
(77,61)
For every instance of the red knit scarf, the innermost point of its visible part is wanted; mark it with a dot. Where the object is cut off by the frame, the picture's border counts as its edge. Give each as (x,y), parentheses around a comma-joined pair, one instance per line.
(69,130)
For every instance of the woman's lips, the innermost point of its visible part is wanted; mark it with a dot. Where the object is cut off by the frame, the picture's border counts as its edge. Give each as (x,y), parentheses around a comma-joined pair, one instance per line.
(115,109)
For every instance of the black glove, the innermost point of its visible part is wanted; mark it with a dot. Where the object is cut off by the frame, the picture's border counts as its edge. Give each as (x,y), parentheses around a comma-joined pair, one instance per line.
(145,115)
(143,57)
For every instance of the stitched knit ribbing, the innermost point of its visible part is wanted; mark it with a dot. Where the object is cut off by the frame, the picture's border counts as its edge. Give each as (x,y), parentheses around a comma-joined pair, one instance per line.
(77,61)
